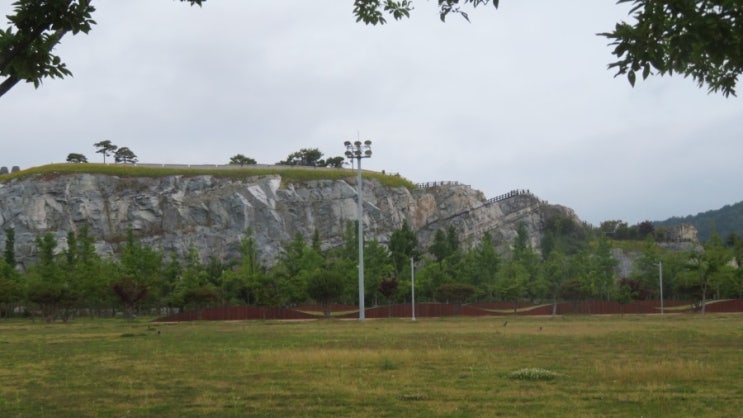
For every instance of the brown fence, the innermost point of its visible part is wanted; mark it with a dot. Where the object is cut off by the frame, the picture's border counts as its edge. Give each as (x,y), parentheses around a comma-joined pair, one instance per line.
(423,310)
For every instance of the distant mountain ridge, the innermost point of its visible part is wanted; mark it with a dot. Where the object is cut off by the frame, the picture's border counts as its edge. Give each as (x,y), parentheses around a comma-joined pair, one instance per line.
(726,220)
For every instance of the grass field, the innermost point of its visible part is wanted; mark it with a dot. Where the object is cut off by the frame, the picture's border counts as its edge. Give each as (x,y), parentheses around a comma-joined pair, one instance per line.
(675,366)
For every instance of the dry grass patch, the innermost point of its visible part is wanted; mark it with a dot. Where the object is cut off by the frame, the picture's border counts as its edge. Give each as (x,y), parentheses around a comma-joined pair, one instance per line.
(655,371)
(533,374)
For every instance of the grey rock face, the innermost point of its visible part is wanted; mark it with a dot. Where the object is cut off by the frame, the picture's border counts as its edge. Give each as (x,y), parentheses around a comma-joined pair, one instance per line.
(212,213)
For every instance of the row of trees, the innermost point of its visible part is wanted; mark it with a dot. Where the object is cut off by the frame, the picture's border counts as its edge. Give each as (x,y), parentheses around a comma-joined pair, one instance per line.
(575,264)
(726,220)
(311,157)
(702,271)
(77,279)
(621,231)
(712,271)
(306,157)
(106,148)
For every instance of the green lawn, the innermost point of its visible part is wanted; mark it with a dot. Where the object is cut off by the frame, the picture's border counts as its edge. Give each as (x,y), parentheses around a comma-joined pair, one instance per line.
(676,366)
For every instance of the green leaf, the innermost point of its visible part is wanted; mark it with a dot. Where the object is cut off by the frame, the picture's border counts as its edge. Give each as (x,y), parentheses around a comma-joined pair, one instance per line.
(646,71)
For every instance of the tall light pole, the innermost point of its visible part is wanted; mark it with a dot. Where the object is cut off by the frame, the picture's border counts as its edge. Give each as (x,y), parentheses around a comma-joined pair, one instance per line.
(412,286)
(359,150)
(660,278)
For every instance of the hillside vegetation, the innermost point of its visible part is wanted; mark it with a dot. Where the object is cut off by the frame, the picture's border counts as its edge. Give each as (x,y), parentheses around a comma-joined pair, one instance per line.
(726,220)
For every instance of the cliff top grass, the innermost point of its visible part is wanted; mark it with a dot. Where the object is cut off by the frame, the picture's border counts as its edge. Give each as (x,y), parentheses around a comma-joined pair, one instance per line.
(287,173)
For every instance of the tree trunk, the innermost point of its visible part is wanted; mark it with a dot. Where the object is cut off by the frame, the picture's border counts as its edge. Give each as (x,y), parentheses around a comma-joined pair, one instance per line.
(554,306)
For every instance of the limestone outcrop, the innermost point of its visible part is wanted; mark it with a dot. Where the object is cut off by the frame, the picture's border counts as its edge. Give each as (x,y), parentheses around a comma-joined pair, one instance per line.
(212,213)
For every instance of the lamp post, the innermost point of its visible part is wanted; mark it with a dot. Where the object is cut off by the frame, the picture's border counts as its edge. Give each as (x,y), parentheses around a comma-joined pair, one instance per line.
(412,287)
(359,150)
(660,279)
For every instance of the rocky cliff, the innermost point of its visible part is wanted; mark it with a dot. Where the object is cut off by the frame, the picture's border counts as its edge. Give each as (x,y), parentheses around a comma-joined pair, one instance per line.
(212,213)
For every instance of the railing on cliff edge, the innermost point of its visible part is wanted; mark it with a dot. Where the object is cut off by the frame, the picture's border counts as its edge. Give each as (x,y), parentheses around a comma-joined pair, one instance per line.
(491,201)
(504,196)
(431,184)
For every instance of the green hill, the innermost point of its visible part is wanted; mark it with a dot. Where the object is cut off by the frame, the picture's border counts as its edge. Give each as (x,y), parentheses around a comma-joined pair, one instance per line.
(726,220)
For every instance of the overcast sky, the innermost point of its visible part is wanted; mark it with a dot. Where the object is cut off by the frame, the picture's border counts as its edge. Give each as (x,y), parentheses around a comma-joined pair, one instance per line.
(520,98)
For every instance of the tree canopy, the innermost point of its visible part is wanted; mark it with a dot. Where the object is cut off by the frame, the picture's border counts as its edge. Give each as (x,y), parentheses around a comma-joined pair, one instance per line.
(241,160)
(37,27)
(74,157)
(125,155)
(105,148)
(698,39)
(702,40)
(311,157)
